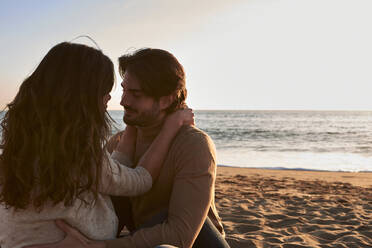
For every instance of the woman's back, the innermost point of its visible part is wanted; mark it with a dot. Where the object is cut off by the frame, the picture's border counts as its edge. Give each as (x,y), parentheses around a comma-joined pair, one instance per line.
(54,156)
(27,227)
(53,136)
(97,221)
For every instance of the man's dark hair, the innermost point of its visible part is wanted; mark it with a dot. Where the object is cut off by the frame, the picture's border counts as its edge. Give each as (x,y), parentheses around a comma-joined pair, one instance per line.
(159,73)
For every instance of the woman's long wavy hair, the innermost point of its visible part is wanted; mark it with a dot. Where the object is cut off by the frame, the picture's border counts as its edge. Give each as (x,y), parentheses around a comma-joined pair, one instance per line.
(54,131)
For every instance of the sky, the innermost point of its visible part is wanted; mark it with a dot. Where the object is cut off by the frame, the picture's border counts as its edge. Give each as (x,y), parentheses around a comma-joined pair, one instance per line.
(237,54)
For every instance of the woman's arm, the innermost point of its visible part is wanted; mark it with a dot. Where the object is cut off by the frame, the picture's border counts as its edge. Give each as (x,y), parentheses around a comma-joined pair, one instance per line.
(154,157)
(118,179)
(127,145)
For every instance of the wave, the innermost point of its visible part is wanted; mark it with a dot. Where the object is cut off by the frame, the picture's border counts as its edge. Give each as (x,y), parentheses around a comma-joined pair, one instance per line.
(295,169)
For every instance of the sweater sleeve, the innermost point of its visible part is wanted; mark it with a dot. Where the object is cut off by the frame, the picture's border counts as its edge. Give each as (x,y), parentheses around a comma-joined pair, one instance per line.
(189,202)
(121,158)
(120,180)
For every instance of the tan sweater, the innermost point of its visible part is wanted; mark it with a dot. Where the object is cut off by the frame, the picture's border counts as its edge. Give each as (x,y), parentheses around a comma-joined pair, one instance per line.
(99,221)
(185,187)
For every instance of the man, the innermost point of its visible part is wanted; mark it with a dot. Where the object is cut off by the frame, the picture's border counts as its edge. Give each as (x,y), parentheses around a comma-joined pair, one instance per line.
(184,190)
(185,186)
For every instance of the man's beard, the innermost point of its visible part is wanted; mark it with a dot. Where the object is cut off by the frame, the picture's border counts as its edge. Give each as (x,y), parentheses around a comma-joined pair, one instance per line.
(143,119)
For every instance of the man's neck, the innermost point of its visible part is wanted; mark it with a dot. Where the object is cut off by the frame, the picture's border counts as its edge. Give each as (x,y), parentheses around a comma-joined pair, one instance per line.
(149,133)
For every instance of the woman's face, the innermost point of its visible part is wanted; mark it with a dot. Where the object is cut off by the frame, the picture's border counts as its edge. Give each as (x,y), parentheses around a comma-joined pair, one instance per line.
(106,99)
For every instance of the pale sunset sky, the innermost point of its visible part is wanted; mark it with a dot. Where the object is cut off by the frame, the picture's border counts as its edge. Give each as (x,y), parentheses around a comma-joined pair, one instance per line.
(237,54)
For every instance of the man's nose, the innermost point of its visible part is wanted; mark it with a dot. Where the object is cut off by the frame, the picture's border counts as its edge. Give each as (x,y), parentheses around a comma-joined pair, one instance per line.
(124,100)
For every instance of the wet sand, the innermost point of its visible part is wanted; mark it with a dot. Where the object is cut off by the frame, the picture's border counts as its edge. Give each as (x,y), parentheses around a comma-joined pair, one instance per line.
(290,209)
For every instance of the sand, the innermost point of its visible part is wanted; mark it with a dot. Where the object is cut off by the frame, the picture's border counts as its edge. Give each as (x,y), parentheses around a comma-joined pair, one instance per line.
(276,208)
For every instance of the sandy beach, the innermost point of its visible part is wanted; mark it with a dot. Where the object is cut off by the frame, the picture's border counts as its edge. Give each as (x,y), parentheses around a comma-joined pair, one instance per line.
(290,209)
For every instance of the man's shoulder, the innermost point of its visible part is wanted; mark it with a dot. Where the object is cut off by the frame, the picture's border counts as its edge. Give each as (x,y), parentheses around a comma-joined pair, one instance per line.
(192,134)
(193,151)
(192,138)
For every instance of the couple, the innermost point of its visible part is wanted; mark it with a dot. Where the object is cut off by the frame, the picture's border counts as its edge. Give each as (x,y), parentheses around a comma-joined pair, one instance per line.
(62,184)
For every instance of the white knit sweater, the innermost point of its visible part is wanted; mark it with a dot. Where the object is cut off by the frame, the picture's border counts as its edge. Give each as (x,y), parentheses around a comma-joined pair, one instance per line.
(98,221)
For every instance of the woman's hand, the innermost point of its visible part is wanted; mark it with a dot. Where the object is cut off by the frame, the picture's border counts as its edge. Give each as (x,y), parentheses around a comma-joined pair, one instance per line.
(179,118)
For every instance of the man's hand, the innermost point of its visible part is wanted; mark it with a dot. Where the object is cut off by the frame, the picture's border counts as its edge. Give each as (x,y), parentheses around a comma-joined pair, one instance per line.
(73,239)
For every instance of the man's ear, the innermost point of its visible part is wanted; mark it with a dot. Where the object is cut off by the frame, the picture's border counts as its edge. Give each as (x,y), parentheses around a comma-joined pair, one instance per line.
(166,101)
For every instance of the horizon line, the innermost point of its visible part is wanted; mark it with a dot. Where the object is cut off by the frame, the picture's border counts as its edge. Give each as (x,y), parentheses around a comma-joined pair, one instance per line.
(322,110)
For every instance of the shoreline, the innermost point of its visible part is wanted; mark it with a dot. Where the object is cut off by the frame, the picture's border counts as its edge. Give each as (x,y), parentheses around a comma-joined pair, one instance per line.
(291,169)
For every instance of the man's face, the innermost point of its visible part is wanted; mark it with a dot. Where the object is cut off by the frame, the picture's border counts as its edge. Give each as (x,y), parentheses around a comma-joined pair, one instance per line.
(139,109)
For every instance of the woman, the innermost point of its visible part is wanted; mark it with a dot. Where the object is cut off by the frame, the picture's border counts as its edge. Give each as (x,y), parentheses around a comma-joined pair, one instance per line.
(54,164)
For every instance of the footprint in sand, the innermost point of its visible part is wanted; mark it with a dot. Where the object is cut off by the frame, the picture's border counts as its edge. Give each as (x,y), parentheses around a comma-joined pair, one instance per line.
(276,216)
(284,223)
(247,228)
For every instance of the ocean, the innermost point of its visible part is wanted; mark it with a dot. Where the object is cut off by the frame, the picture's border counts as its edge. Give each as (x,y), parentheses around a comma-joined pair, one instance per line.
(302,140)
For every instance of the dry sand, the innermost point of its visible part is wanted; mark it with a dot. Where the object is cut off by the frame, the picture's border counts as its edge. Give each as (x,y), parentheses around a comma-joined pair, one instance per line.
(290,209)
